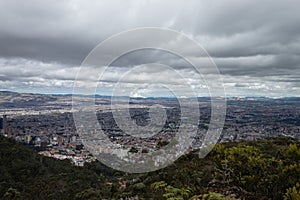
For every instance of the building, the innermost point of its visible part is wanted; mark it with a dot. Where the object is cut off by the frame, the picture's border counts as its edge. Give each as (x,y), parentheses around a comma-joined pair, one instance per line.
(27,139)
(1,124)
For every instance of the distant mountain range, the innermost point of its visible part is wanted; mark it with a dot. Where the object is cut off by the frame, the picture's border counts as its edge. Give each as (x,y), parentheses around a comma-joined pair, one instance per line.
(14,97)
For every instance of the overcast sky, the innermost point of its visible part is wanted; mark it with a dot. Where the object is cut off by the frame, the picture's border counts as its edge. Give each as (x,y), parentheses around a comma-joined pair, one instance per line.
(255,43)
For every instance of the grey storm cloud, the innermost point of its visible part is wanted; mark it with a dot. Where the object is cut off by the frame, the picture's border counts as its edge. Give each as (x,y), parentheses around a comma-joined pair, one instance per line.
(249,40)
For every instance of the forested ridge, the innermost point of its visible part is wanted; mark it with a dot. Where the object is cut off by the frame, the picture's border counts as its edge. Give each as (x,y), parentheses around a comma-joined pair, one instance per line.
(267,169)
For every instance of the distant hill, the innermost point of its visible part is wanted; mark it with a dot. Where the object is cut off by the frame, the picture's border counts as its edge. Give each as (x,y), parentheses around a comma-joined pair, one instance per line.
(290,99)
(8,98)
(8,95)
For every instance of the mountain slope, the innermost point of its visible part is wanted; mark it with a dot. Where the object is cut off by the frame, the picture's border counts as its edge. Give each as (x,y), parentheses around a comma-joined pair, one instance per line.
(245,170)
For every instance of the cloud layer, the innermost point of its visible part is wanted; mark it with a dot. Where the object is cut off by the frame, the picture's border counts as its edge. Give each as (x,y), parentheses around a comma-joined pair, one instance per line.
(255,44)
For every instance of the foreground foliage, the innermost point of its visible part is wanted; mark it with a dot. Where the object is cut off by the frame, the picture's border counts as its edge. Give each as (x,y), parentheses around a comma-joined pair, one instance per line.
(245,170)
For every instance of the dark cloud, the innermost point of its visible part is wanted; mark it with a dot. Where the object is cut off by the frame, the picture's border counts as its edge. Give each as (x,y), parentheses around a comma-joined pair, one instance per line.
(47,40)
(47,50)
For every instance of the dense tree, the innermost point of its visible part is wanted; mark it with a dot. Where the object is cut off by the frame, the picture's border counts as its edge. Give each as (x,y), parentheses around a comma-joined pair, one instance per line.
(133,150)
(293,193)
(245,170)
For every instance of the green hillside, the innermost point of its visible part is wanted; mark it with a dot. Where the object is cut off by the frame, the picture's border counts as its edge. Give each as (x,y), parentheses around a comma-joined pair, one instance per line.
(246,170)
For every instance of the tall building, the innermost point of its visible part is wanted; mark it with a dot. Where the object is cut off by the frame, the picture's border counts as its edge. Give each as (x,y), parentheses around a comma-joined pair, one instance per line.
(28,139)
(4,124)
(1,124)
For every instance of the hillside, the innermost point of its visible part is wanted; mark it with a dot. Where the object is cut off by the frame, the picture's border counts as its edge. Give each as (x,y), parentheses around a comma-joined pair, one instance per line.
(27,175)
(245,170)
(8,98)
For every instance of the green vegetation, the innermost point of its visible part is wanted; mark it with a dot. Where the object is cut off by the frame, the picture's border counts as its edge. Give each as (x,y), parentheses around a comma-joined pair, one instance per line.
(27,175)
(293,193)
(145,151)
(162,143)
(245,170)
(133,150)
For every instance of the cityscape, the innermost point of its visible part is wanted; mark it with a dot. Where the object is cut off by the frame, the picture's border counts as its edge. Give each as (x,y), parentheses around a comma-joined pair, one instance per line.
(46,123)
(149,99)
